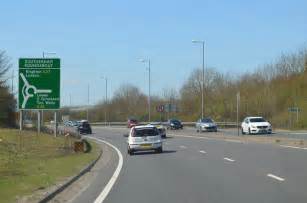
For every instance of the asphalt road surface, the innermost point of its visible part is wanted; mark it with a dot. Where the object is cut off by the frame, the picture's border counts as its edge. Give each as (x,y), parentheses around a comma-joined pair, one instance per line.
(202,170)
(234,132)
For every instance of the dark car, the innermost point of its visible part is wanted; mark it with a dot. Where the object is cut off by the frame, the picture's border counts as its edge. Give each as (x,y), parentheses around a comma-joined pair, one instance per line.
(84,127)
(174,124)
(132,122)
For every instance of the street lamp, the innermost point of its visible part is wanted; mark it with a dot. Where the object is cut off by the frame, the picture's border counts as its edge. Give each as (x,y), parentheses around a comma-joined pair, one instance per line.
(148,61)
(48,53)
(106,100)
(203,74)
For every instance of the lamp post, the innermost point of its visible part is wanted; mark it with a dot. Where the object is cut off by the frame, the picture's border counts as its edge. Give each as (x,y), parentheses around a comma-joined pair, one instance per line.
(106,100)
(149,105)
(41,122)
(203,74)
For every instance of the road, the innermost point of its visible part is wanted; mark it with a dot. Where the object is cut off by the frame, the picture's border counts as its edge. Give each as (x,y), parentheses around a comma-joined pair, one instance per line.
(234,132)
(202,170)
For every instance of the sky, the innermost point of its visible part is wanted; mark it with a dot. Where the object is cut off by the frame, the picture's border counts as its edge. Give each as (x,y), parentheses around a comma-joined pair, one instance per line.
(98,38)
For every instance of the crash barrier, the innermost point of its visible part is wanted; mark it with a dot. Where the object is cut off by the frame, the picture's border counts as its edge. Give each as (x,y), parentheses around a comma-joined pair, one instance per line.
(189,124)
(62,130)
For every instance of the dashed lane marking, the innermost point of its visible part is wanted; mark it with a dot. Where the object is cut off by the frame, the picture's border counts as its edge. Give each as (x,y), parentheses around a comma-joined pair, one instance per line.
(228,159)
(275,177)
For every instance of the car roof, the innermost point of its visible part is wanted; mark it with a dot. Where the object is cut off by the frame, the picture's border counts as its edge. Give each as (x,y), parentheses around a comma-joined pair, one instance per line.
(144,126)
(254,117)
(155,123)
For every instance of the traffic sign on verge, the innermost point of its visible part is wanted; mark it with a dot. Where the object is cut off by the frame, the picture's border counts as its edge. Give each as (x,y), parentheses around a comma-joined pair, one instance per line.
(39,83)
(160,108)
(294,109)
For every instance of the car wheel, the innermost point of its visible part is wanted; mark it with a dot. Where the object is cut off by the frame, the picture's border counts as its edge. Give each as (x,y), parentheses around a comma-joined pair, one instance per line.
(197,130)
(130,152)
(159,150)
(242,131)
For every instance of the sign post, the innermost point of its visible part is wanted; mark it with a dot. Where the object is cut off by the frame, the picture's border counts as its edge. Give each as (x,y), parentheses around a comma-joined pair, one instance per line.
(238,106)
(294,110)
(39,84)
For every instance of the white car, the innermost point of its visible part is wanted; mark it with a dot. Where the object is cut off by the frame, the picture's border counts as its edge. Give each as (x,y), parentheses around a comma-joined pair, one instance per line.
(143,138)
(255,125)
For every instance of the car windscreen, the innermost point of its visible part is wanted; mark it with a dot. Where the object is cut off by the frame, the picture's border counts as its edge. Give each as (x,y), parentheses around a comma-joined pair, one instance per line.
(257,120)
(133,121)
(143,132)
(86,124)
(206,120)
(175,121)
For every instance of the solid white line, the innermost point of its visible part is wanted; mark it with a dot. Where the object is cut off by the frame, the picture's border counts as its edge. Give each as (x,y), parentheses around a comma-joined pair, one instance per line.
(183,147)
(208,138)
(228,159)
(189,136)
(236,141)
(275,177)
(104,193)
(292,147)
(201,151)
(304,133)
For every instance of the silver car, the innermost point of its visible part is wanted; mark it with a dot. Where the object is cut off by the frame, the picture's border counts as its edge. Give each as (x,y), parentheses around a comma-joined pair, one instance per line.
(206,124)
(143,138)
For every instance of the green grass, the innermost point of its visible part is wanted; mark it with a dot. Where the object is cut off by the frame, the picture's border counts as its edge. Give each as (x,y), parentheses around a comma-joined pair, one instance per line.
(29,162)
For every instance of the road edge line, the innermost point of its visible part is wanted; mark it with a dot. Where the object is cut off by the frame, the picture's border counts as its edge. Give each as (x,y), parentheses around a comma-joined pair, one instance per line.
(106,190)
(292,147)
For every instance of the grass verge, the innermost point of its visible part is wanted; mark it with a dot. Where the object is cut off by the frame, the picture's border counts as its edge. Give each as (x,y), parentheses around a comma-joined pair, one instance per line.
(31,162)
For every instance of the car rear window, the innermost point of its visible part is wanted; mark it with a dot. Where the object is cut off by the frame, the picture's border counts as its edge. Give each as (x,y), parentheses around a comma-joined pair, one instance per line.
(142,132)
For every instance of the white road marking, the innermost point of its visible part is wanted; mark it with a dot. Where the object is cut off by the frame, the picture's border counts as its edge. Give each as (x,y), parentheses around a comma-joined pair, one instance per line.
(104,193)
(183,147)
(228,159)
(303,133)
(236,141)
(208,138)
(201,151)
(275,177)
(287,146)
(189,136)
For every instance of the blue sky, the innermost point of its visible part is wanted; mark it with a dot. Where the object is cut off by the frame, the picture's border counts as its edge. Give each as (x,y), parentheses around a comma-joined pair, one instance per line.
(106,38)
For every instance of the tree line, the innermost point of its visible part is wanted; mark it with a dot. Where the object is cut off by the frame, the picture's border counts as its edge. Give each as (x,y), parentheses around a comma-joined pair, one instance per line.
(269,91)
(7,100)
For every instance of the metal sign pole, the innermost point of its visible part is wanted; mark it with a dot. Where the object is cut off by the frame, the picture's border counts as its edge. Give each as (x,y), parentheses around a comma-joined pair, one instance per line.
(55,124)
(238,102)
(38,122)
(20,120)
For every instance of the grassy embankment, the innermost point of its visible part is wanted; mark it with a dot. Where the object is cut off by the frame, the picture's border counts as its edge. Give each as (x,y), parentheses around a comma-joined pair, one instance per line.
(31,162)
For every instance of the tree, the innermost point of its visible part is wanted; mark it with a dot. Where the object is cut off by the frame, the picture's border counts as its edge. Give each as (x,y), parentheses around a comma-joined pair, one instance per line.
(7,100)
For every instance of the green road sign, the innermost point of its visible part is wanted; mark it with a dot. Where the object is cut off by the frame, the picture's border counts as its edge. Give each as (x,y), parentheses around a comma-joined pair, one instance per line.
(39,83)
